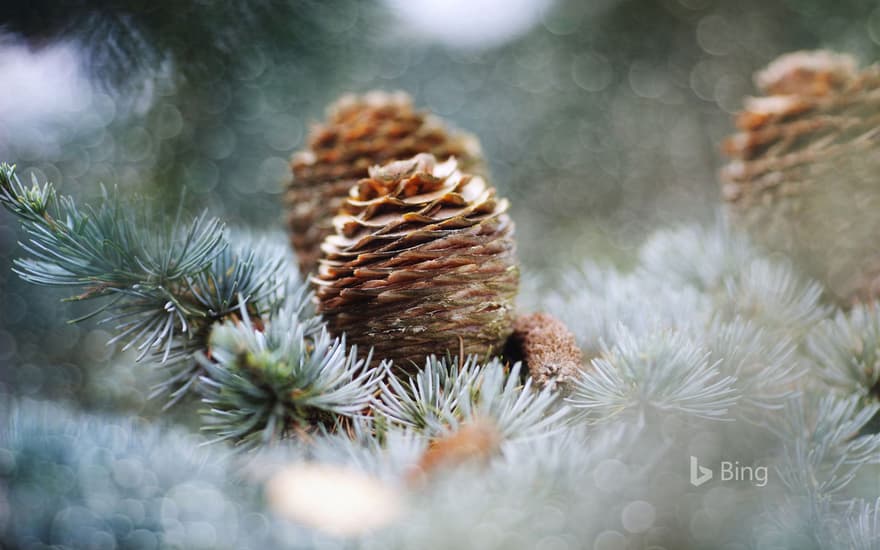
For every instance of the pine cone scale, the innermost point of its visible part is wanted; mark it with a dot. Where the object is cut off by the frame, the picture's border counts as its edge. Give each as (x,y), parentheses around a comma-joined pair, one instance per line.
(434,272)
(416,242)
(384,292)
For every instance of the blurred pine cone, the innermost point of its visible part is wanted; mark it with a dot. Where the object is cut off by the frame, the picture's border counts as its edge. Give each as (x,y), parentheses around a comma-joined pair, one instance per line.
(422,262)
(804,174)
(360,132)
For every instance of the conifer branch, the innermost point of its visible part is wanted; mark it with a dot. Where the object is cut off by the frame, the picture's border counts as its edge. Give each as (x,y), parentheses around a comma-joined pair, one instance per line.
(845,352)
(663,371)
(162,290)
(765,366)
(823,448)
(863,525)
(264,385)
(444,395)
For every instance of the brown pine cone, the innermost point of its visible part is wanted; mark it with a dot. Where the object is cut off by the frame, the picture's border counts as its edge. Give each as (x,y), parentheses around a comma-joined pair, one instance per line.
(804,174)
(360,132)
(423,262)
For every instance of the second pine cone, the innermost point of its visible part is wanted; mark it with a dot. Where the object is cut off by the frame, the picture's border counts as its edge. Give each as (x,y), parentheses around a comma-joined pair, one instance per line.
(803,172)
(360,131)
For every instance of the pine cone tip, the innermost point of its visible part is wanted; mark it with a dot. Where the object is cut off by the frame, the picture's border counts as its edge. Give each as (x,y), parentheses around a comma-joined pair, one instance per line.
(361,131)
(814,73)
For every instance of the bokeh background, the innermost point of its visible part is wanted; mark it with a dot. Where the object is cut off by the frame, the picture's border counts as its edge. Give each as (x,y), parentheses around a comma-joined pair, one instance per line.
(601,119)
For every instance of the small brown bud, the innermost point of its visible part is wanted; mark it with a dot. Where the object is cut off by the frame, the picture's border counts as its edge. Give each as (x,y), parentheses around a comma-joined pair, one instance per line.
(547,348)
(475,442)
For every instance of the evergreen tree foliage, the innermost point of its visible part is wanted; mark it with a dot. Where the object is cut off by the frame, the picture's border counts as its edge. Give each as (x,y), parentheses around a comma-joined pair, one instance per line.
(444,395)
(703,348)
(162,289)
(705,329)
(262,385)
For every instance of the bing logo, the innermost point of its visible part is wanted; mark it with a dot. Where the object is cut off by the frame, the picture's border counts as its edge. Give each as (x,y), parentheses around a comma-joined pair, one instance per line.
(730,471)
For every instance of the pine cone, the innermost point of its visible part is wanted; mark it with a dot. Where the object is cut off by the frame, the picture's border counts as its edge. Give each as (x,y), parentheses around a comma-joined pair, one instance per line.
(361,131)
(422,262)
(804,174)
